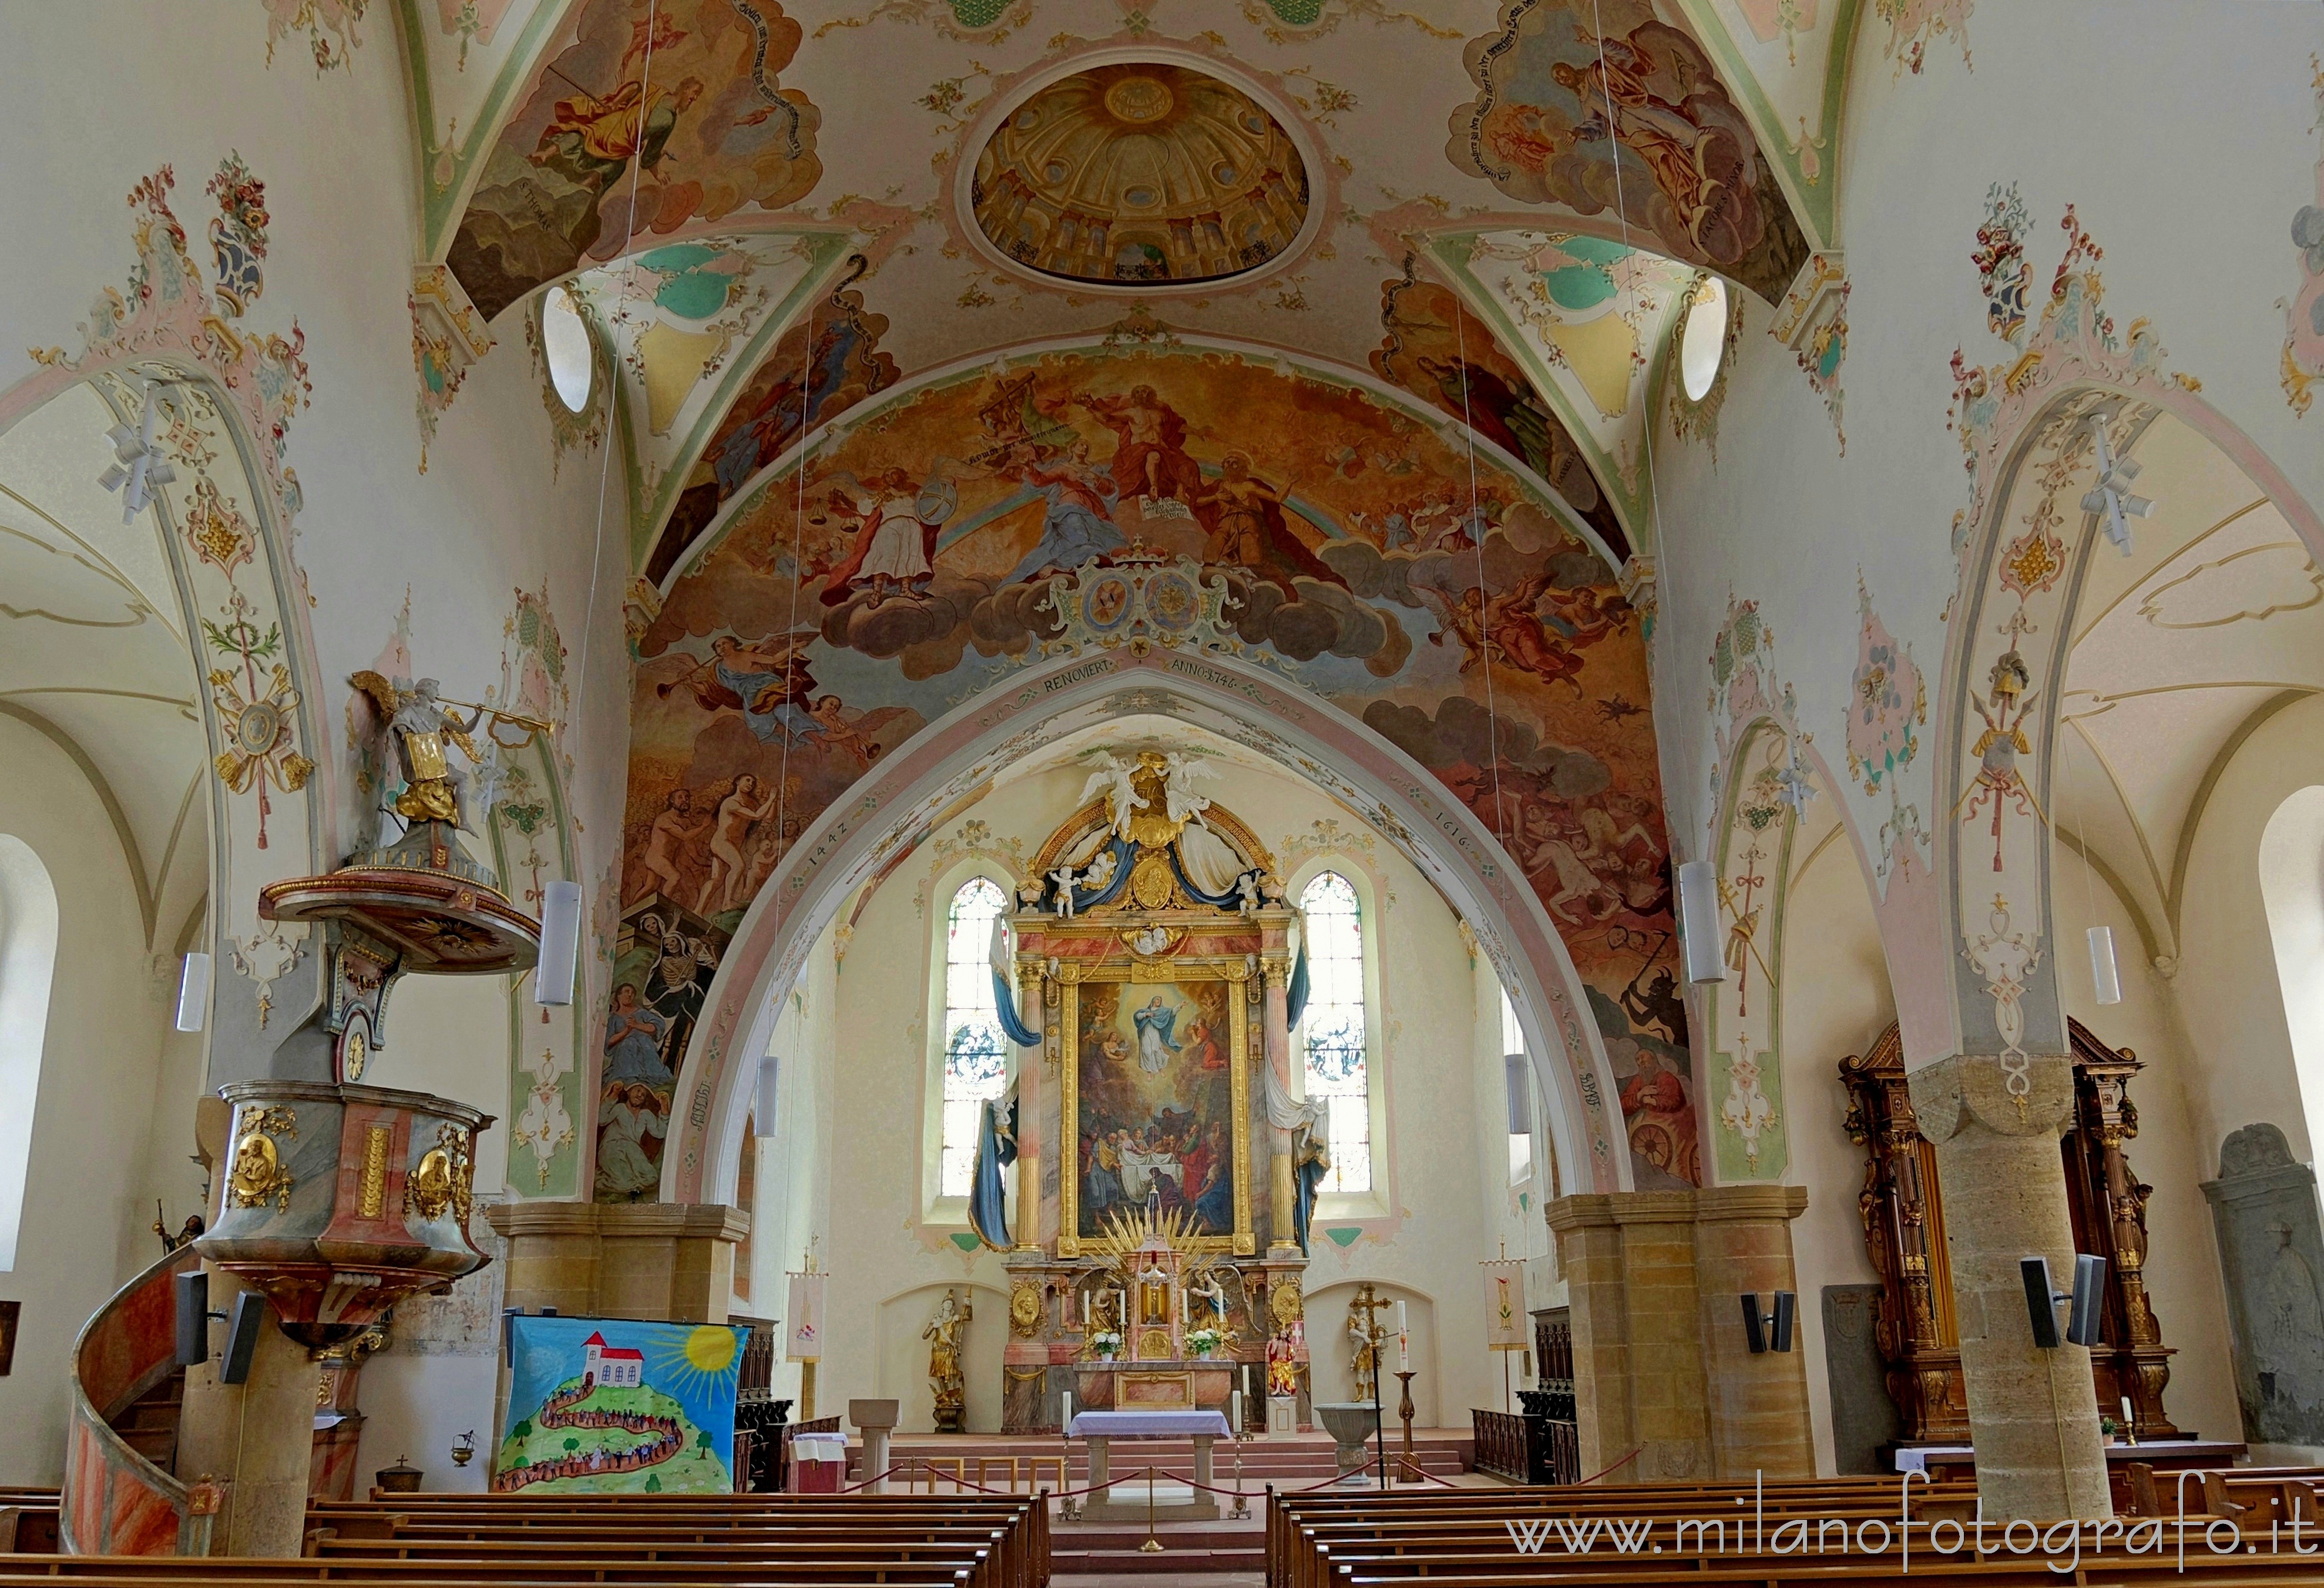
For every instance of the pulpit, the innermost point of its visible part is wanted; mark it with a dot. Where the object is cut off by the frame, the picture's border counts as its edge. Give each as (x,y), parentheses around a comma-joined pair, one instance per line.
(1905,1234)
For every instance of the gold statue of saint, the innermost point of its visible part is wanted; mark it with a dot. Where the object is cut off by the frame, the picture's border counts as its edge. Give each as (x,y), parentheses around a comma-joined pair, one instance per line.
(944,1334)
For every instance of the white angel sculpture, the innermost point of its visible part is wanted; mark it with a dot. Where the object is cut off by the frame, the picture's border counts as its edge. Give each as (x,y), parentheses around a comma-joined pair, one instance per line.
(1179,773)
(1112,778)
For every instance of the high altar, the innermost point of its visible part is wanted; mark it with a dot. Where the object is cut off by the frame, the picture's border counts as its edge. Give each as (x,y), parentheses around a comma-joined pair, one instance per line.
(1153,956)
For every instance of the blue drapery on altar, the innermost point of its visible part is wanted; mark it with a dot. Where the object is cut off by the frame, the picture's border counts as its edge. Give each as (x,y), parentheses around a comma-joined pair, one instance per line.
(996,1148)
(1004,991)
(1295,1002)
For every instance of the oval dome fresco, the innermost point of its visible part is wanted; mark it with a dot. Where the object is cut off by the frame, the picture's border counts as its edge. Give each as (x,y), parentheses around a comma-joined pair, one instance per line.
(1141,173)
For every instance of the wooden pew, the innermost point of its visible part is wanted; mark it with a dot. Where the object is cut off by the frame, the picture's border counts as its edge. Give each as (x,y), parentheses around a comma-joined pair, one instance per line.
(1462,1539)
(1003,1539)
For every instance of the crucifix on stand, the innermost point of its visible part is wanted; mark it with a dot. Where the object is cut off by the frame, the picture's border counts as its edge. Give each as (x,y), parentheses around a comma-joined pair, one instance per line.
(1374,1336)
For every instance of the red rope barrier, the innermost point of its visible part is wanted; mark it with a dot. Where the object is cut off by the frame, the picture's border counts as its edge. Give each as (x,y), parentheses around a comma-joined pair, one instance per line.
(1602,1472)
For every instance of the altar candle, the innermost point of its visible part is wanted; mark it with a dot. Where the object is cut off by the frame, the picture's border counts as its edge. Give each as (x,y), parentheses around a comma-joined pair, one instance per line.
(2126,1418)
(1234,1417)
(1403,1342)
(1067,1426)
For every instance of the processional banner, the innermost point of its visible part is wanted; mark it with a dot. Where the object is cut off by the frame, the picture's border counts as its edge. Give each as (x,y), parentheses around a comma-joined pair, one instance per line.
(805,1314)
(617,1406)
(1505,1322)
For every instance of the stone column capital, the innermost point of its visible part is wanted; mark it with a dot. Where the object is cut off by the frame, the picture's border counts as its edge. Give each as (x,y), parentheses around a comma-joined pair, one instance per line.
(1953,1093)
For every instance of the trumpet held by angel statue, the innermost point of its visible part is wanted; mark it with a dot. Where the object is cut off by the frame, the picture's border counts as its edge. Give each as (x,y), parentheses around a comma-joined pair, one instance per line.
(417,731)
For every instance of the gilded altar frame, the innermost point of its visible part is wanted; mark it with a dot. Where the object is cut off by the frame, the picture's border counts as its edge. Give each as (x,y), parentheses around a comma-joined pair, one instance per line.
(1133,969)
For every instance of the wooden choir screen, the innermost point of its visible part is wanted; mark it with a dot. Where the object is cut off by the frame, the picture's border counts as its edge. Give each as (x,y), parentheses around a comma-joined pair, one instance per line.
(1904,1235)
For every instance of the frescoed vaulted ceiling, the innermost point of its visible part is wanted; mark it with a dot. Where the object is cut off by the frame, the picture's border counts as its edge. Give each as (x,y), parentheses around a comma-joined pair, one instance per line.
(850,160)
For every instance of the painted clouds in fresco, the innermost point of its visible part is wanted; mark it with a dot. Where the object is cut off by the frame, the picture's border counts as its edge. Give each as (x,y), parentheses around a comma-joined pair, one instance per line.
(838,614)
(689,115)
(1447,357)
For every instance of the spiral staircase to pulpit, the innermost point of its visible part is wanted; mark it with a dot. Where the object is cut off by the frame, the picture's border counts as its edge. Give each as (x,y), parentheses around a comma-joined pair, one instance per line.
(123,1494)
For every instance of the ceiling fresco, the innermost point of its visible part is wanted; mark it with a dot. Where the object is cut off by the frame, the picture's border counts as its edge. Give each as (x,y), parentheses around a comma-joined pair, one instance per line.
(687,324)
(1563,80)
(1141,173)
(650,118)
(953,335)
(556,132)
(1589,319)
(969,527)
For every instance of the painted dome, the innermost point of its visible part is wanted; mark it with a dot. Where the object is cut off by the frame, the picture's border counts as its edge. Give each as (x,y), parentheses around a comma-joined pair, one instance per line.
(1141,172)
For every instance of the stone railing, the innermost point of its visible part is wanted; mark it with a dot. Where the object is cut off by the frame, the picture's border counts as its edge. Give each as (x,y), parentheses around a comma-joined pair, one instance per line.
(115,1501)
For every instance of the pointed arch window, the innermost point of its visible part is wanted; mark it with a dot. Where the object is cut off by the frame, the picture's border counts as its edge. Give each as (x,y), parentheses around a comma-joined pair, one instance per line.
(975,1050)
(1335,1028)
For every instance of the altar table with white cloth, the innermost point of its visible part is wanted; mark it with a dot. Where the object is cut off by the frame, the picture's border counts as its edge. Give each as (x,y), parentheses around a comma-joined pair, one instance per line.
(1100,1428)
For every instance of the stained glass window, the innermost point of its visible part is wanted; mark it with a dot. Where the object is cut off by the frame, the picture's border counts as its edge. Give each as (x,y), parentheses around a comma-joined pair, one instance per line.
(1333,1028)
(975,1049)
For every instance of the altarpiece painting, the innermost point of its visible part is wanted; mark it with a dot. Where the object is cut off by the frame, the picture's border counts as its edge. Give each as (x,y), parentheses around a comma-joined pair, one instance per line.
(1157,1091)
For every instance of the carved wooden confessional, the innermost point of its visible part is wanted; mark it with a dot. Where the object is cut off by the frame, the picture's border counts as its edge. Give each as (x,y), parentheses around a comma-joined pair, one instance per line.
(1904,1233)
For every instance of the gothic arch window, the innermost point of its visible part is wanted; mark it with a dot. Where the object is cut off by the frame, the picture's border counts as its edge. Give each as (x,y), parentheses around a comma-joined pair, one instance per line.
(1335,1029)
(971,1051)
(28,959)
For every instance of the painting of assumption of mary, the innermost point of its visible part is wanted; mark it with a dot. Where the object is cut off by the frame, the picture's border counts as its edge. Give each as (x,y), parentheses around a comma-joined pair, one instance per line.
(1156,1105)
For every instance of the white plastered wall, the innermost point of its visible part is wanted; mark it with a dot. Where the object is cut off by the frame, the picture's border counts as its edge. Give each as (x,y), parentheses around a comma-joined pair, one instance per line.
(1836,1003)
(98,1157)
(2183,1265)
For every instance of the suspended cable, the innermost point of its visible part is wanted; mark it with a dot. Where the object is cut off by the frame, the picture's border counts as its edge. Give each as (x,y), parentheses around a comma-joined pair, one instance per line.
(612,337)
(799,574)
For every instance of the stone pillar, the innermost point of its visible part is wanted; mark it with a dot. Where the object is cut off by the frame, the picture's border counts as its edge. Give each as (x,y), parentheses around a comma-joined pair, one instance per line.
(1590,1255)
(1025,1223)
(2033,1413)
(1758,1404)
(1276,1026)
(1639,1360)
(256,1439)
(1660,1362)
(671,1261)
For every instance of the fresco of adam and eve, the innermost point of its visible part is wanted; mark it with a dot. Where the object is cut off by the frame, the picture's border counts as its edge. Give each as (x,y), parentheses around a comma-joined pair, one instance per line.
(1156,1104)
(826,623)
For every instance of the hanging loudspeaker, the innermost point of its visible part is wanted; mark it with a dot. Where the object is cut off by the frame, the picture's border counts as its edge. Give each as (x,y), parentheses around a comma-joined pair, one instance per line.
(2107,979)
(560,943)
(194,993)
(2040,1301)
(193,1300)
(1698,921)
(242,1337)
(763,1111)
(2090,1297)
(1520,1083)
